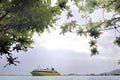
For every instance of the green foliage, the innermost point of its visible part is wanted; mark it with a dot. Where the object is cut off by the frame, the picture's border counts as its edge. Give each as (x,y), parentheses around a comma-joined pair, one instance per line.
(62,4)
(68,27)
(112,6)
(5,44)
(92,43)
(118,62)
(19,19)
(31,15)
(91,5)
(92,28)
(69,14)
(94,51)
(117,41)
(80,31)
(15,41)
(94,33)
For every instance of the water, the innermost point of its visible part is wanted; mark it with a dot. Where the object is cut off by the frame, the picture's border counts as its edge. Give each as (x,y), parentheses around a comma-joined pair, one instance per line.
(59,77)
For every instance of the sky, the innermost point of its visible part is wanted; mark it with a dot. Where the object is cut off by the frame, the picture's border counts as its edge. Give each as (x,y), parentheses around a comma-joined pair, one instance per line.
(67,53)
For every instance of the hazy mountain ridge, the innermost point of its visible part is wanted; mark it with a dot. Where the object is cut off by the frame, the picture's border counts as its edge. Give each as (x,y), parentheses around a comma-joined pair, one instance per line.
(113,72)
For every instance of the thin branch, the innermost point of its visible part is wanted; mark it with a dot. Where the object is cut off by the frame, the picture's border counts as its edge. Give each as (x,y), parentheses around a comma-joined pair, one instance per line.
(116,29)
(111,2)
(103,15)
(110,28)
(3,16)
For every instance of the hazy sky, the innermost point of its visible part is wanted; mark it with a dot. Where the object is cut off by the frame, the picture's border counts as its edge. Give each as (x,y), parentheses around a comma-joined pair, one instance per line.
(67,53)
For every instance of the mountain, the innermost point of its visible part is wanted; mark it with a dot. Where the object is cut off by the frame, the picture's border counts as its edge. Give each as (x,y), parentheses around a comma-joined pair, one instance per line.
(113,72)
(117,71)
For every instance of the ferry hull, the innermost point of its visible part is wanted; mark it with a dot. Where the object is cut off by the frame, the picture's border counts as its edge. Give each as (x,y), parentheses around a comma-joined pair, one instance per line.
(45,74)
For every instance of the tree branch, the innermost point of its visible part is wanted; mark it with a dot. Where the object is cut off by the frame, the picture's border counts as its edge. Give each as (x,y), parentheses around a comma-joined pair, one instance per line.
(111,28)
(3,16)
(111,2)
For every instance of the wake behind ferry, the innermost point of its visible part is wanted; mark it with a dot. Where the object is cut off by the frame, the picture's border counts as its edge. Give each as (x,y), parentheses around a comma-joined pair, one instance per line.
(45,72)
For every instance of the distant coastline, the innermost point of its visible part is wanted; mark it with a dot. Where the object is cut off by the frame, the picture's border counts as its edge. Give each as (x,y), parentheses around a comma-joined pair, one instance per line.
(13,75)
(111,73)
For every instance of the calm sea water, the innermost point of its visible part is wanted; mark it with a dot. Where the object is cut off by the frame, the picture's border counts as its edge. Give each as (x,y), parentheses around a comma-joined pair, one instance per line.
(60,78)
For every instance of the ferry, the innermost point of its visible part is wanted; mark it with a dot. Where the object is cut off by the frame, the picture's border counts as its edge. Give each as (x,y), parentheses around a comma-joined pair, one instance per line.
(45,72)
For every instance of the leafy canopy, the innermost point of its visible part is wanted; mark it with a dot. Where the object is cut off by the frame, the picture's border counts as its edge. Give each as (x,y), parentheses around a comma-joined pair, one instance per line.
(94,28)
(19,19)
